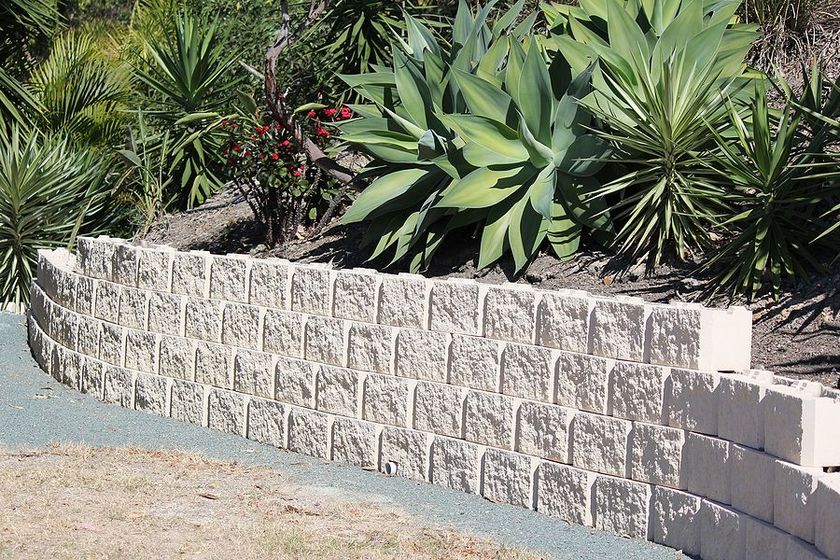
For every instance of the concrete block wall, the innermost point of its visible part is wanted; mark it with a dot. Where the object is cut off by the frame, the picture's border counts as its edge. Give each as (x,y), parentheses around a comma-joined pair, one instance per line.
(635,418)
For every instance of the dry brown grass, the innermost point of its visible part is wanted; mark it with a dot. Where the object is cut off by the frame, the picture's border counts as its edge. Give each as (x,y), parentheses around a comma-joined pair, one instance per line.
(81,502)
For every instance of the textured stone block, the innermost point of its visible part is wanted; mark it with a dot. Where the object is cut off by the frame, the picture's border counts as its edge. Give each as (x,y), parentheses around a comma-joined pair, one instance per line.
(190,273)
(454,306)
(827,515)
(793,499)
(40,344)
(226,412)
(65,327)
(438,407)
(656,455)
(141,351)
(691,401)
(107,302)
(324,341)
(507,478)
(528,372)
(370,347)
(311,287)
(96,256)
(800,550)
(802,427)
(241,326)
(187,402)
(309,433)
(722,533)
(489,419)
(337,391)
(111,343)
(87,340)
(386,400)
(267,422)
(509,312)
(119,386)
(707,468)
(177,357)
(402,301)
(213,364)
(283,333)
(355,297)
(752,483)
(762,541)
(617,328)
(125,264)
(422,354)
(166,313)
(456,464)
(621,506)
(543,430)
(355,443)
(154,269)
(151,394)
(409,449)
(675,520)
(85,292)
(229,278)
(269,283)
(253,374)
(66,366)
(563,320)
(565,492)
(474,362)
(90,377)
(740,410)
(295,383)
(637,392)
(599,443)
(204,320)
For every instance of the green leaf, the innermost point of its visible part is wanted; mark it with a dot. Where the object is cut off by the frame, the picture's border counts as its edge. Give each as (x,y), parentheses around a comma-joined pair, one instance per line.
(491,135)
(535,97)
(483,98)
(380,191)
(541,192)
(484,187)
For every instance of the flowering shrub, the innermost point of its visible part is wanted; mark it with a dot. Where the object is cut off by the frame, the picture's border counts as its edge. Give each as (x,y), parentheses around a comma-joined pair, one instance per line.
(269,167)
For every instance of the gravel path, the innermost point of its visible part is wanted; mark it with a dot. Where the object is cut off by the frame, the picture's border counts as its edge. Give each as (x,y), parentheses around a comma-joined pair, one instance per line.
(35,410)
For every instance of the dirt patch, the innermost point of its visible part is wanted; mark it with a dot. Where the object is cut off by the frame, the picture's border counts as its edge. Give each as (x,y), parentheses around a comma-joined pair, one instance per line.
(797,336)
(81,502)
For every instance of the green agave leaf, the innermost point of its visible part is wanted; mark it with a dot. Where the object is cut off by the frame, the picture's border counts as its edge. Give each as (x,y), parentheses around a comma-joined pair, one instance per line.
(660,13)
(495,232)
(420,38)
(564,233)
(535,97)
(585,157)
(385,188)
(484,98)
(413,90)
(431,146)
(527,231)
(541,191)
(485,187)
(492,135)
(539,154)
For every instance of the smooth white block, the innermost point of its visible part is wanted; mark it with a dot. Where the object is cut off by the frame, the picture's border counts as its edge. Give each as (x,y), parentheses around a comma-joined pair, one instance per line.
(706,467)
(800,427)
(740,410)
(752,481)
(793,499)
(827,500)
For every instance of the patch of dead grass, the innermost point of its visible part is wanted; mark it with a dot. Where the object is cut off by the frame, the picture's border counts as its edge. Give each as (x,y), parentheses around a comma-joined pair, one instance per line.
(81,502)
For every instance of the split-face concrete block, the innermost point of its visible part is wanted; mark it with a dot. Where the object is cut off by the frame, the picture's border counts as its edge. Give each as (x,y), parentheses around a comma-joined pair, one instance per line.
(617,328)
(370,347)
(96,256)
(311,287)
(675,519)
(154,269)
(229,278)
(268,284)
(474,362)
(241,325)
(752,483)
(762,541)
(151,394)
(337,391)
(543,430)
(41,345)
(203,320)
(267,422)
(563,320)
(187,402)
(489,419)
(253,373)
(740,407)
(90,378)
(386,400)
(190,273)
(309,433)
(125,264)
(87,340)
(177,357)
(119,386)
(166,312)
(85,292)
(107,302)
(691,400)
(402,301)
(621,506)
(133,303)
(213,364)
(637,391)
(422,354)
(226,412)
(283,333)
(599,443)
(141,351)
(355,297)
(827,515)
(508,478)
(583,382)
(409,449)
(793,499)
(528,372)
(565,492)
(454,307)
(355,443)
(437,408)
(66,366)
(722,532)
(295,382)
(802,427)
(656,455)
(111,343)
(324,341)
(456,464)
(65,327)
(707,468)
(509,313)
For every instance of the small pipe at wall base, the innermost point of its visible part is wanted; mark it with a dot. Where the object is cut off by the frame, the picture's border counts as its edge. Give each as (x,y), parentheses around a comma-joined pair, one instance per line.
(390,468)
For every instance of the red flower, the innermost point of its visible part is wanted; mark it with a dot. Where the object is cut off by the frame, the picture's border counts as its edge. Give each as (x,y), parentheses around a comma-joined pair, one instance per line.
(297,173)
(247,153)
(237,148)
(329,112)
(322,132)
(345,113)
(277,126)
(285,143)
(311,114)
(275,156)
(261,156)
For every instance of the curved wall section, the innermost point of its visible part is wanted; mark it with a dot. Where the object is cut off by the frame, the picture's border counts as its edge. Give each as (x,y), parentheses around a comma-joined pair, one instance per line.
(635,418)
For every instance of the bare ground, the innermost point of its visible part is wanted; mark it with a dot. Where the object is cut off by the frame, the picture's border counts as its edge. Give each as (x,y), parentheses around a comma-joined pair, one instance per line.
(79,502)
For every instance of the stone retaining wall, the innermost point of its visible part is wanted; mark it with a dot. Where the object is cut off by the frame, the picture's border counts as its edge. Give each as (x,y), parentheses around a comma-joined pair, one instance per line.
(630,417)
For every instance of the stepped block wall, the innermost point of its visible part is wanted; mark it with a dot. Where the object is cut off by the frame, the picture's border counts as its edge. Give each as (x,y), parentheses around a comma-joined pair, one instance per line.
(636,418)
